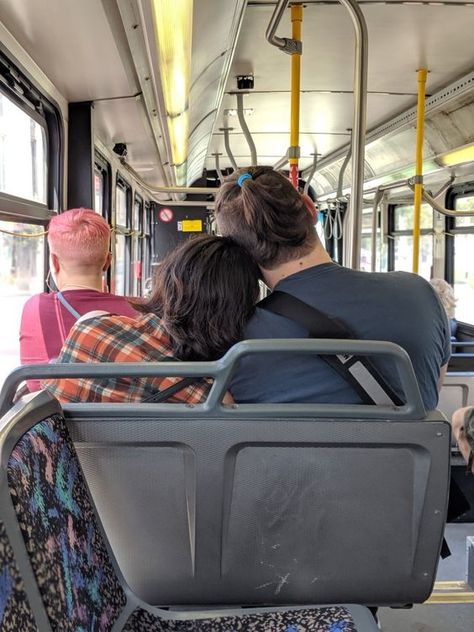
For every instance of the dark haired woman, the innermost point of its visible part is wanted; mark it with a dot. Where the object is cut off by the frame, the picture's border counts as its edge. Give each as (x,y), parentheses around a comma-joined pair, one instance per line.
(204,293)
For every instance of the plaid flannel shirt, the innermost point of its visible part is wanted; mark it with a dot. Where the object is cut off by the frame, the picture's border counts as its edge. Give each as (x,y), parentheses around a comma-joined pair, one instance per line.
(113,338)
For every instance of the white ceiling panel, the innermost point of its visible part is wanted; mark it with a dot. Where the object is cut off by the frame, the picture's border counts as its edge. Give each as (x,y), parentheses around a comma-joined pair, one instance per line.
(72,42)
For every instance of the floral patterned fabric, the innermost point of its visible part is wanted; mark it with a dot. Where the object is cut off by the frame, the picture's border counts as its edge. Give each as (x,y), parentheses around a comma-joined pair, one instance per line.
(78,585)
(330,619)
(15,613)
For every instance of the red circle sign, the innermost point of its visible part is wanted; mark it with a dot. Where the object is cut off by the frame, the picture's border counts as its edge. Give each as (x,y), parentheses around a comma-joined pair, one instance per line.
(166,215)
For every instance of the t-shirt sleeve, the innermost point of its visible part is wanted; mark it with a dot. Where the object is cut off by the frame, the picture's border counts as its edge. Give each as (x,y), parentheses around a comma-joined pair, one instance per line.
(445,331)
(32,347)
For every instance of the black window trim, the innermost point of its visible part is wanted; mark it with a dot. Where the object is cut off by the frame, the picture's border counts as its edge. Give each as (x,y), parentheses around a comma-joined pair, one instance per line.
(102,165)
(122,183)
(393,234)
(21,89)
(460,190)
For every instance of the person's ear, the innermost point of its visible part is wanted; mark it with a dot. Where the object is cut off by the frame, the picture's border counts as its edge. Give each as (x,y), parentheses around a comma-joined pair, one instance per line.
(108,261)
(311,208)
(54,264)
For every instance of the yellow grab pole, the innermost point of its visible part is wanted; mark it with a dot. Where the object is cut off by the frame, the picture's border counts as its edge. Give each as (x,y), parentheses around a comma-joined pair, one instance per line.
(420,123)
(294,151)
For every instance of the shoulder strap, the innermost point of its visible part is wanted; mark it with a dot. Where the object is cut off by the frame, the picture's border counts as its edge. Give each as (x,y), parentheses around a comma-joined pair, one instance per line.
(359,372)
(162,396)
(62,299)
(318,324)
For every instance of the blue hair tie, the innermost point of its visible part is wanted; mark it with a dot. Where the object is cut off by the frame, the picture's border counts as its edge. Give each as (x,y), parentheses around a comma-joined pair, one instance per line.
(243,177)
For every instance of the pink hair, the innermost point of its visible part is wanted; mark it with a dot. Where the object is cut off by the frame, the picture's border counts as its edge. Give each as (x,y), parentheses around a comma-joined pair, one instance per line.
(79,236)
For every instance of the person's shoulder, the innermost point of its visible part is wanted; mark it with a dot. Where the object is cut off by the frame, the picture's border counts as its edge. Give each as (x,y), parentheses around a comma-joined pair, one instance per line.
(35,306)
(267,324)
(35,300)
(101,319)
(120,304)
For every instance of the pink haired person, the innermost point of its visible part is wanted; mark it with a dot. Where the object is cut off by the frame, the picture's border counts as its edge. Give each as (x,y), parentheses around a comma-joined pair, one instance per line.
(79,245)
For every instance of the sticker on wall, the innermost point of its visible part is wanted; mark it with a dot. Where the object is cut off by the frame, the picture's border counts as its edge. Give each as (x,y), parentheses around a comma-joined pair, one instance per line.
(166,215)
(191,226)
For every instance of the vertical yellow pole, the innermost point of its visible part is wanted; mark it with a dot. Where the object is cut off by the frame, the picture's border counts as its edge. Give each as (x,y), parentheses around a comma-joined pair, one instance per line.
(420,123)
(294,153)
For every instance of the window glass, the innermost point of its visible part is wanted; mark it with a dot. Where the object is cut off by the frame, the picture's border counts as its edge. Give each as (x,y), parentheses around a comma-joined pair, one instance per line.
(136,247)
(147,220)
(121,207)
(464,277)
(23,169)
(21,276)
(136,214)
(120,264)
(465,203)
(367,220)
(404,254)
(366,253)
(366,245)
(404,217)
(99,192)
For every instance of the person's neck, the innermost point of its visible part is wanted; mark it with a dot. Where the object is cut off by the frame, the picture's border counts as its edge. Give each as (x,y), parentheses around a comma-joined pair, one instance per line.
(81,282)
(316,257)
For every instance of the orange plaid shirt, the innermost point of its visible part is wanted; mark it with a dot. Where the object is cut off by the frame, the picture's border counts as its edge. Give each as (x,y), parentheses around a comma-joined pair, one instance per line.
(113,338)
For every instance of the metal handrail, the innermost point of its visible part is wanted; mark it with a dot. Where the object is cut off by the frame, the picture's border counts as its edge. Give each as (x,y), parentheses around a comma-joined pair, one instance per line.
(360,111)
(439,207)
(230,155)
(283,43)
(245,129)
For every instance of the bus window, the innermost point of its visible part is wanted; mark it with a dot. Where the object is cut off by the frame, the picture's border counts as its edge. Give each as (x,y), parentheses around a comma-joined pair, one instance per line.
(120,275)
(146,230)
(98,192)
(121,218)
(401,252)
(463,235)
(21,275)
(23,165)
(137,246)
(366,240)
(123,222)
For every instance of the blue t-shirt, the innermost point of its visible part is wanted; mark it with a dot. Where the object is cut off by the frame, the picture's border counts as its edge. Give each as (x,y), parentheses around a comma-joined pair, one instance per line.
(399,307)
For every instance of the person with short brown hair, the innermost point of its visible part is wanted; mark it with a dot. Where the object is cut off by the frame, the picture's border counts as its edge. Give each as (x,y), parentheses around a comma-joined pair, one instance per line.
(259,208)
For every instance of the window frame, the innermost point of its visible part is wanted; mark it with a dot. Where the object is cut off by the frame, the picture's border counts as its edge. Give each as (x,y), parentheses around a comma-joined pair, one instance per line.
(19,88)
(393,234)
(121,183)
(462,190)
(137,237)
(102,165)
(146,232)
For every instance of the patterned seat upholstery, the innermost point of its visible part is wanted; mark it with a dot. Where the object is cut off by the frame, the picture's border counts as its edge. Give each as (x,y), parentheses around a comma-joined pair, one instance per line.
(77,582)
(79,586)
(15,611)
(334,619)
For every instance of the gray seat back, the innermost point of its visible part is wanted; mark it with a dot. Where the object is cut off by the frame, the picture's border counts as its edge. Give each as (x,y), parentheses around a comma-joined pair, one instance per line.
(268,504)
(457,391)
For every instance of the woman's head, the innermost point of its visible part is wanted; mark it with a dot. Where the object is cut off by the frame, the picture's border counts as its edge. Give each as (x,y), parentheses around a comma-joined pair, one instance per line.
(266,215)
(205,291)
(446,295)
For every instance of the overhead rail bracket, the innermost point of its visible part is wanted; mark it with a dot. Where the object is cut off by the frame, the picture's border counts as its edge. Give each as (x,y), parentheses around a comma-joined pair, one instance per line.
(286,44)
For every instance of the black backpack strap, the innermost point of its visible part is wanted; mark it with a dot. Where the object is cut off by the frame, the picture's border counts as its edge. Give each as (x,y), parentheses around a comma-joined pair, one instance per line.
(162,396)
(359,372)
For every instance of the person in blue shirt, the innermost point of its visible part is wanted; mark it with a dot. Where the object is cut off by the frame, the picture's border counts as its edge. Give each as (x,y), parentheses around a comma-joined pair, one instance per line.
(259,208)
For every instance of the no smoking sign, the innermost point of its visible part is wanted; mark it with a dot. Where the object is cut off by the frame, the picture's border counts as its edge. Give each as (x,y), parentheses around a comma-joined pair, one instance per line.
(166,215)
